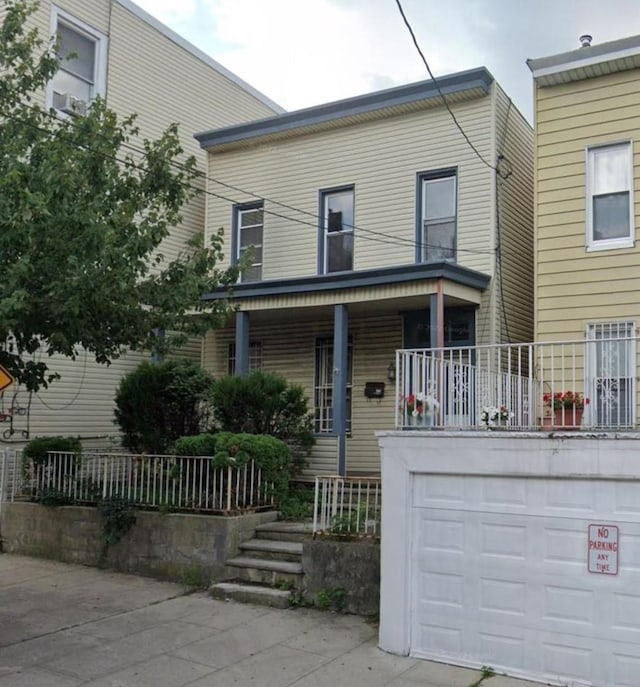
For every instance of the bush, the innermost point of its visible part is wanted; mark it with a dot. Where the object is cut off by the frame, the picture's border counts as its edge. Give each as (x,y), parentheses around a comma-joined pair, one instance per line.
(271,455)
(157,404)
(264,403)
(200,445)
(37,449)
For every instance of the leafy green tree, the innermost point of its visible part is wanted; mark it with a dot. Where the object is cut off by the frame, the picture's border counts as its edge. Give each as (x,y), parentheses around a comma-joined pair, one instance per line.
(83,213)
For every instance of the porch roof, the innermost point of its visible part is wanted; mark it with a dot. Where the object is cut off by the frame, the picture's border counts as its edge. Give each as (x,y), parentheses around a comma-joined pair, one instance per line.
(359,285)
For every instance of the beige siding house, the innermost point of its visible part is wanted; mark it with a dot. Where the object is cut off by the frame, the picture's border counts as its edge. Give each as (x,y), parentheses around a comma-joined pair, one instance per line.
(369,225)
(139,66)
(587,121)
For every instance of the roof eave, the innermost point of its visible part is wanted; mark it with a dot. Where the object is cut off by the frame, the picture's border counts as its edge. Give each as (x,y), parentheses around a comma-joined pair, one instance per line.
(470,80)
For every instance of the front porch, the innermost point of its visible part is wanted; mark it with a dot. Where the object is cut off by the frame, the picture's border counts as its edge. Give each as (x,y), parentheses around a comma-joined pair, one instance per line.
(564,385)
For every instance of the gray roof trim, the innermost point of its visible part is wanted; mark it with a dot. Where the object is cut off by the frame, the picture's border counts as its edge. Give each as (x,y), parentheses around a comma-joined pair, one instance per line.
(353,280)
(479,78)
(196,52)
(585,57)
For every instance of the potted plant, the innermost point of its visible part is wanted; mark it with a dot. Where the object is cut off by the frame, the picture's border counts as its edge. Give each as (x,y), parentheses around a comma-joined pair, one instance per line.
(421,408)
(565,409)
(495,416)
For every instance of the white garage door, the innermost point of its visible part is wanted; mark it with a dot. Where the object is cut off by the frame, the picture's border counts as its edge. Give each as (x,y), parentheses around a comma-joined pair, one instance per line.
(499,576)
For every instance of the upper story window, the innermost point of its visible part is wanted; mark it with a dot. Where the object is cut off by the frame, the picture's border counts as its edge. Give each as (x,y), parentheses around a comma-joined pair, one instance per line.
(247,236)
(82,52)
(609,197)
(337,234)
(437,216)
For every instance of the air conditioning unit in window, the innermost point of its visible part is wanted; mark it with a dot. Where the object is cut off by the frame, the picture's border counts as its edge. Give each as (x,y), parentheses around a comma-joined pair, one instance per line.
(71,105)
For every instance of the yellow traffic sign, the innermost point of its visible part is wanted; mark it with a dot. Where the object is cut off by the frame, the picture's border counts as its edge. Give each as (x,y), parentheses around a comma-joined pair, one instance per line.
(5,379)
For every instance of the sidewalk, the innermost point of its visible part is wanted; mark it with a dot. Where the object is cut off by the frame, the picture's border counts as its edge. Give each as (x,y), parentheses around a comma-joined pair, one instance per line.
(64,626)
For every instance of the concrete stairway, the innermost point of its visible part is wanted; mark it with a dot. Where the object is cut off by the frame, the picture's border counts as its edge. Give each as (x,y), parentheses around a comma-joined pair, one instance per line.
(269,567)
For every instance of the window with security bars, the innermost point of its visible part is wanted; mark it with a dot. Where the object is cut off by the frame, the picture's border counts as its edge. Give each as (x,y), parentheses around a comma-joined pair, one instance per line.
(610,365)
(255,357)
(323,386)
(250,229)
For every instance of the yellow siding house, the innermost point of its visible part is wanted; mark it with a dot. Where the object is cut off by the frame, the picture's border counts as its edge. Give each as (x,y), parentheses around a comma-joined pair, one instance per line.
(139,66)
(370,224)
(587,128)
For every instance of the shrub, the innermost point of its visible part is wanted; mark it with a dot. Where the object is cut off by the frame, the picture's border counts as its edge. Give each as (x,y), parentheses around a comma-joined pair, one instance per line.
(37,449)
(199,445)
(271,455)
(264,403)
(158,403)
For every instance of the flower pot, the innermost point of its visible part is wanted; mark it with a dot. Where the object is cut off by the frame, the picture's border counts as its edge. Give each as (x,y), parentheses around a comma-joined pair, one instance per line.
(567,418)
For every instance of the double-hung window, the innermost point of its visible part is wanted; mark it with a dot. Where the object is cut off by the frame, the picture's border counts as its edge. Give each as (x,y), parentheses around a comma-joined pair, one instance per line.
(248,235)
(437,216)
(82,56)
(337,230)
(609,195)
(323,386)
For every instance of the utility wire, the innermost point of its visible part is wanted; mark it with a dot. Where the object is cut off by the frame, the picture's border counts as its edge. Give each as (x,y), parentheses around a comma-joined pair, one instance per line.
(437,85)
(379,237)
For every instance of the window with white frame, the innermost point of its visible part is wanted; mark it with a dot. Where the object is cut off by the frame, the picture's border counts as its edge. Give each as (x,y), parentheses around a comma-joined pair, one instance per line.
(255,357)
(610,373)
(609,196)
(338,215)
(323,386)
(82,54)
(438,216)
(249,230)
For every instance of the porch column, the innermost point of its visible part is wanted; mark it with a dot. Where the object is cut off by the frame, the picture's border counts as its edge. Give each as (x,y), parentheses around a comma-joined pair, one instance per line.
(242,343)
(436,316)
(340,364)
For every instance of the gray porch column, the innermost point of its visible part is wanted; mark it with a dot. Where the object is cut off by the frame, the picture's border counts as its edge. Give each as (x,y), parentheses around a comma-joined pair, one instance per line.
(340,370)
(436,317)
(242,343)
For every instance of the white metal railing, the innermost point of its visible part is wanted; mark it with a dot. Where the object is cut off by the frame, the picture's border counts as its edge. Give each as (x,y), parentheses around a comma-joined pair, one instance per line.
(520,386)
(175,482)
(347,506)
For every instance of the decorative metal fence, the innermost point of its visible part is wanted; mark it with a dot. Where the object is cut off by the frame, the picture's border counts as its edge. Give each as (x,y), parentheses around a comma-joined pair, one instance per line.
(348,506)
(177,483)
(587,384)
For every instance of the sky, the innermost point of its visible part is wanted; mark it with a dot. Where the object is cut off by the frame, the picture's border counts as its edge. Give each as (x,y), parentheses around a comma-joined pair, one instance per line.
(301,53)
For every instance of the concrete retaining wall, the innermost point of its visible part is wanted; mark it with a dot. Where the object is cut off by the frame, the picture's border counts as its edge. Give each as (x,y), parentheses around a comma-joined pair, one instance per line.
(160,545)
(350,565)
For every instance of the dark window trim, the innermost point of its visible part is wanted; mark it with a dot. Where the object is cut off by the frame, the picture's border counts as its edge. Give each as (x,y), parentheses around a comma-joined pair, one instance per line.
(420,178)
(322,193)
(235,211)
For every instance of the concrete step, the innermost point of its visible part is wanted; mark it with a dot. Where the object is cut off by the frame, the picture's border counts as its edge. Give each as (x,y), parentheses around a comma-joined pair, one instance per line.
(251,594)
(272,549)
(270,572)
(285,531)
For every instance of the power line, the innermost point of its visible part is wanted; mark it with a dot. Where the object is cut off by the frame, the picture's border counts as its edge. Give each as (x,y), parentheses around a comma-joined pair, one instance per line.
(437,85)
(387,239)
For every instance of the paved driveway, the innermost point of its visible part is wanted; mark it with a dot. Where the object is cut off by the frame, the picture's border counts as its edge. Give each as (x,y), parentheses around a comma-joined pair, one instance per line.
(65,625)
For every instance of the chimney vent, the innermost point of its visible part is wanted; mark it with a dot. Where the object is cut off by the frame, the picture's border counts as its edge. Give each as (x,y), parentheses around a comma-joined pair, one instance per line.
(585,40)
